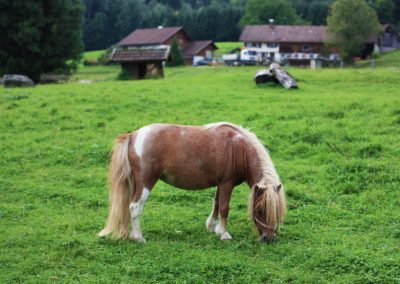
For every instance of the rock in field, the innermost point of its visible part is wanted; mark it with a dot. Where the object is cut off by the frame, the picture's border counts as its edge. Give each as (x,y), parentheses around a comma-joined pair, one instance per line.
(11,80)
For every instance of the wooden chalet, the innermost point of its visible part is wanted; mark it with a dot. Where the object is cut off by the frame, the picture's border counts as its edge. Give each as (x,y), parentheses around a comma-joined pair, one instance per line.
(143,52)
(300,44)
(296,44)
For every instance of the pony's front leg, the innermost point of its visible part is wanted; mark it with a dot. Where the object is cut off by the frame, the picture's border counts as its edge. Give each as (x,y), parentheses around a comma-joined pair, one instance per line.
(136,209)
(225,192)
(211,222)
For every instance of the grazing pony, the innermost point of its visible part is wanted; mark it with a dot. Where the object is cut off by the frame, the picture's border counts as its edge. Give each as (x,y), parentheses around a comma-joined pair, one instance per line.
(193,157)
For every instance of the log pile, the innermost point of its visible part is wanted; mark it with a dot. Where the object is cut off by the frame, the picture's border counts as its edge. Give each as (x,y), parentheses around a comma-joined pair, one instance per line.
(275,74)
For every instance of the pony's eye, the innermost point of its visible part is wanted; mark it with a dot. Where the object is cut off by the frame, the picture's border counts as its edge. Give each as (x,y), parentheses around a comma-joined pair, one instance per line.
(260,191)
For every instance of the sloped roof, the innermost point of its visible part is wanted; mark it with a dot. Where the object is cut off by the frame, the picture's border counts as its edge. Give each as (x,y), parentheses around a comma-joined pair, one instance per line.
(194,47)
(150,36)
(140,54)
(280,34)
(390,26)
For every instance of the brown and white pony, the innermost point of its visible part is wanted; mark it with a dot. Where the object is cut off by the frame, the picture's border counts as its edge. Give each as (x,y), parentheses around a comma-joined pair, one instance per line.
(193,157)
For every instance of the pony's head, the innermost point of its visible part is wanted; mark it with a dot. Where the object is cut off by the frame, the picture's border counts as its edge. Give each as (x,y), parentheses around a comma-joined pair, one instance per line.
(267,207)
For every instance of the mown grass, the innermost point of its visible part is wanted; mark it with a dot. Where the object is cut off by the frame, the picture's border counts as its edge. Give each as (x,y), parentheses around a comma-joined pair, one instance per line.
(335,143)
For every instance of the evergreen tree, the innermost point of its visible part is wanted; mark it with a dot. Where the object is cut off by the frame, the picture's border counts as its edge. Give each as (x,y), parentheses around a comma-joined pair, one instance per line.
(313,11)
(40,36)
(350,25)
(384,9)
(176,55)
(260,11)
(317,12)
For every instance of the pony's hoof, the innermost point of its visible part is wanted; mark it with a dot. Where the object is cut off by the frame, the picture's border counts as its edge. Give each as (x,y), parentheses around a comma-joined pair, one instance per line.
(226,237)
(138,239)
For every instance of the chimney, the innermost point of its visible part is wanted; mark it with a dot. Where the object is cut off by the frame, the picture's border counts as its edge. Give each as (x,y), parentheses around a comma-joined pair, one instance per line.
(271,22)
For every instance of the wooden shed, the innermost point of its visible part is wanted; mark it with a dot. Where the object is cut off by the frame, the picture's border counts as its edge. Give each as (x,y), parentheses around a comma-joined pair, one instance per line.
(389,39)
(142,61)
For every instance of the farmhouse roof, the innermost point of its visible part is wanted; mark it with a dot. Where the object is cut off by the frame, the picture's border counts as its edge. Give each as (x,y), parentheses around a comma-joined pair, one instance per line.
(150,36)
(194,47)
(139,54)
(281,34)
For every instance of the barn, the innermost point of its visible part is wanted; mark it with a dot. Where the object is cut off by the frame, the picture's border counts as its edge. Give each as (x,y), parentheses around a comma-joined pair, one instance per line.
(144,51)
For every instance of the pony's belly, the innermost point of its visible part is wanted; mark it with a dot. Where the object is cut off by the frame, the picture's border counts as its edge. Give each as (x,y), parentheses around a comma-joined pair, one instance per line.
(193,182)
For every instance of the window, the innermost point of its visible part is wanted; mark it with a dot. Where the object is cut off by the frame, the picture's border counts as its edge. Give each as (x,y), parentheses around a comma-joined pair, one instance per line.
(272,45)
(306,48)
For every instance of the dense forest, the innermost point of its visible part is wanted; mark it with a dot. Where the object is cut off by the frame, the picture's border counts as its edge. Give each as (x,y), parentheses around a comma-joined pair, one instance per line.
(108,21)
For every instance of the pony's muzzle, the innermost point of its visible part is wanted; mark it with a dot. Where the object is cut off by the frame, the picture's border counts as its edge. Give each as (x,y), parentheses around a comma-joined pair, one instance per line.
(268,238)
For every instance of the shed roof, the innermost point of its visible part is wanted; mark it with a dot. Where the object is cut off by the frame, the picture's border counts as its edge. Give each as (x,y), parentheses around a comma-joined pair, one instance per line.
(141,54)
(280,34)
(390,27)
(194,47)
(150,36)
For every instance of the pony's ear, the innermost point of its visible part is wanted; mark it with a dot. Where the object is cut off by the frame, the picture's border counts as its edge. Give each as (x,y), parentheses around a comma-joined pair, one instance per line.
(258,189)
(278,188)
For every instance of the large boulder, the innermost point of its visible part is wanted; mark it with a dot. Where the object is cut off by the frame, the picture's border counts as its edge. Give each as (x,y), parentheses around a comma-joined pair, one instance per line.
(11,80)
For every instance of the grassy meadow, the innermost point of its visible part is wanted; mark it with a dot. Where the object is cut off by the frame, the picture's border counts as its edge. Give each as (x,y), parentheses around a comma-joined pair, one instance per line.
(334,141)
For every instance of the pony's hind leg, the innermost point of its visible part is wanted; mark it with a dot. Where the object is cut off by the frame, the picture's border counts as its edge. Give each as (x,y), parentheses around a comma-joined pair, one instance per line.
(225,192)
(136,209)
(211,222)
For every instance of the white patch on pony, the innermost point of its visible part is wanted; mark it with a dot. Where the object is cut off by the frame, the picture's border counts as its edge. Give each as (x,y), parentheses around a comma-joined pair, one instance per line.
(222,233)
(140,139)
(182,133)
(220,230)
(211,223)
(136,209)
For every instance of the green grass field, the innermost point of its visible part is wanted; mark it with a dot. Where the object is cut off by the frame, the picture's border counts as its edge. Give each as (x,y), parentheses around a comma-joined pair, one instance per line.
(226,47)
(335,143)
(386,60)
(93,55)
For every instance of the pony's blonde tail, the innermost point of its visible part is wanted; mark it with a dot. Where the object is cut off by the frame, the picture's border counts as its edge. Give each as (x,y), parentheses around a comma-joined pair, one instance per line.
(121,189)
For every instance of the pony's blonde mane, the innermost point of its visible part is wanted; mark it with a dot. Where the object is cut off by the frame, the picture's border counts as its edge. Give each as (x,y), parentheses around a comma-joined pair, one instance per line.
(273,201)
